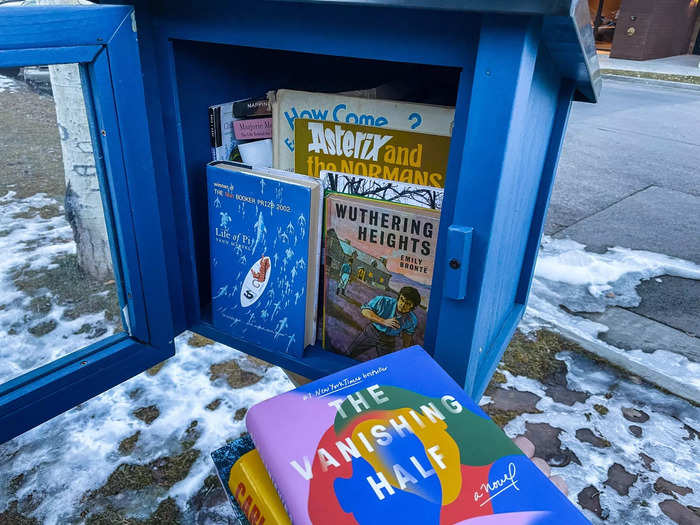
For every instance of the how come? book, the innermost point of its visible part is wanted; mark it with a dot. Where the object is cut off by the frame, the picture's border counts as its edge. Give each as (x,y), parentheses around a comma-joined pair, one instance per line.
(396,440)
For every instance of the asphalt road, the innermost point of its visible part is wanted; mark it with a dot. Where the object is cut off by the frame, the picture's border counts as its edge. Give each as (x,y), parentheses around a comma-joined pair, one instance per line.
(636,137)
(629,176)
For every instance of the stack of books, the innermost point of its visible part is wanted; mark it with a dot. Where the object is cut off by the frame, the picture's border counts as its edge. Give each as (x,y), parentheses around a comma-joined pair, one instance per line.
(391,440)
(358,180)
(241,131)
(335,244)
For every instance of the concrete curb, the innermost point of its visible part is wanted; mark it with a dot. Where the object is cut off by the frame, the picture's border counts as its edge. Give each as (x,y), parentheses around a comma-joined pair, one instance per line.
(652,81)
(618,358)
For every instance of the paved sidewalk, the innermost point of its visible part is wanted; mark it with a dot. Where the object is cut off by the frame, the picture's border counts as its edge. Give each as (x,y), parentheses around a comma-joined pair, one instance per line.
(629,176)
(681,68)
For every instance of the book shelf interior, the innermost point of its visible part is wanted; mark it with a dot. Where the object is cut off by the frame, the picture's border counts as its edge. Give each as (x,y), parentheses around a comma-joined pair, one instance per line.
(206,74)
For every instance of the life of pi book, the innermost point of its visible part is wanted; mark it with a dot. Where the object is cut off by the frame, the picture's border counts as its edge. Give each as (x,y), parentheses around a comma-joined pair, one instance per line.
(264,248)
(396,440)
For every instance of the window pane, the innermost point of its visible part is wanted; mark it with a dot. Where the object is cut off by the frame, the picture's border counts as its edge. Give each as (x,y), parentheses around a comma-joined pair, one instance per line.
(57,286)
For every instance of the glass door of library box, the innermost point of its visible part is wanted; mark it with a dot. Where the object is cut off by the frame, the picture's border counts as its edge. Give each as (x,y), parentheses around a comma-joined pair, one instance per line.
(68,336)
(147,82)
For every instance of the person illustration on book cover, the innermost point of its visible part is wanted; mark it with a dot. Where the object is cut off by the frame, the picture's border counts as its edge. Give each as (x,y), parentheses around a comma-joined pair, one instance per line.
(261,274)
(390,319)
(345,270)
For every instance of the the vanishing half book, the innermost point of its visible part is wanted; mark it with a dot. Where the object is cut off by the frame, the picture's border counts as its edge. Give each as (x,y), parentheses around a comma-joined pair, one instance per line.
(264,240)
(396,440)
(378,273)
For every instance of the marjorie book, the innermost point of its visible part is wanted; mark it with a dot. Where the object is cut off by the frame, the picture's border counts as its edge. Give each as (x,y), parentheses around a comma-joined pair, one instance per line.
(247,484)
(264,236)
(241,131)
(378,271)
(396,440)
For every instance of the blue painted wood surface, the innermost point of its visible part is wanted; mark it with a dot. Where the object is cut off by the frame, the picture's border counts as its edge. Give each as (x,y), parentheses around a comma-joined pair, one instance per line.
(116,190)
(39,57)
(506,90)
(116,106)
(145,206)
(492,143)
(51,27)
(511,102)
(31,399)
(459,247)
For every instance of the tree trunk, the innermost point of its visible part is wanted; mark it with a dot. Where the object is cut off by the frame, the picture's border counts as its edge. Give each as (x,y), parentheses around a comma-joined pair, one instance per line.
(83,201)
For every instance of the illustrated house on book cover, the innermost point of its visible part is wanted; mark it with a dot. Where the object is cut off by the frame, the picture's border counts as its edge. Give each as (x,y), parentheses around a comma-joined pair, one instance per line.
(379,260)
(370,270)
(396,440)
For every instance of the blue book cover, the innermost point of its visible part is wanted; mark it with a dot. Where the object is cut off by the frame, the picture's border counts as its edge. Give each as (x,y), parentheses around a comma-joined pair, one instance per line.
(224,458)
(263,253)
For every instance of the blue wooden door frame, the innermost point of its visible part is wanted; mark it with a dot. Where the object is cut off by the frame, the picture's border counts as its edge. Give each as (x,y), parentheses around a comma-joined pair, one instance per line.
(103,40)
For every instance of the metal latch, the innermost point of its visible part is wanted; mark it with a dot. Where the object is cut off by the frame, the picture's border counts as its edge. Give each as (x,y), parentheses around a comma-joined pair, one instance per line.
(125,318)
(459,244)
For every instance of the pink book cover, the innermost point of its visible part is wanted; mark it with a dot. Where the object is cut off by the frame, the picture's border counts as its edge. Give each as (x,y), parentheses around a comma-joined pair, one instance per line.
(254,128)
(396,440)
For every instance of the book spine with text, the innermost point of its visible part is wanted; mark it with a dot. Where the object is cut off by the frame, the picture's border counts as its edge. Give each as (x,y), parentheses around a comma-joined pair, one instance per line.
(214,129)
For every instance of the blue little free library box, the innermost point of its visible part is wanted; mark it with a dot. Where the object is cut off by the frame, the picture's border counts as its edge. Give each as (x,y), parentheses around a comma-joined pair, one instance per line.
(152,68)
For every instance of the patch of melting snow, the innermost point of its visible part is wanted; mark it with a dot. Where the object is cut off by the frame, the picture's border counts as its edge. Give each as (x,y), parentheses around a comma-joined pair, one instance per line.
(81,444)
(21,351)
(590,282)
(664,438)
(8,84)
(567,275)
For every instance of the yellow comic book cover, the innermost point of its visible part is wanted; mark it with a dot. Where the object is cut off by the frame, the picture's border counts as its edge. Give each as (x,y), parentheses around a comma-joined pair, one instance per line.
(378,152)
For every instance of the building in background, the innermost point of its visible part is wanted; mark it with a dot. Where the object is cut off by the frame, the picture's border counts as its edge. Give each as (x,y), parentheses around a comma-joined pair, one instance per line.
(645,29)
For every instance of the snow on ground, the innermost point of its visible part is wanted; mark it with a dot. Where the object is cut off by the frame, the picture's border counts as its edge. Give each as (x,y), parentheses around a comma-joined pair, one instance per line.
(33,245)
(81,445)
(8,84)
(567,275)
(61,464)
(664,437)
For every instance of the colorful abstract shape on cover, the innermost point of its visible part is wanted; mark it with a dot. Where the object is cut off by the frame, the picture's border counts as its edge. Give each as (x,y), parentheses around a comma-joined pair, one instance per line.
(395,440)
